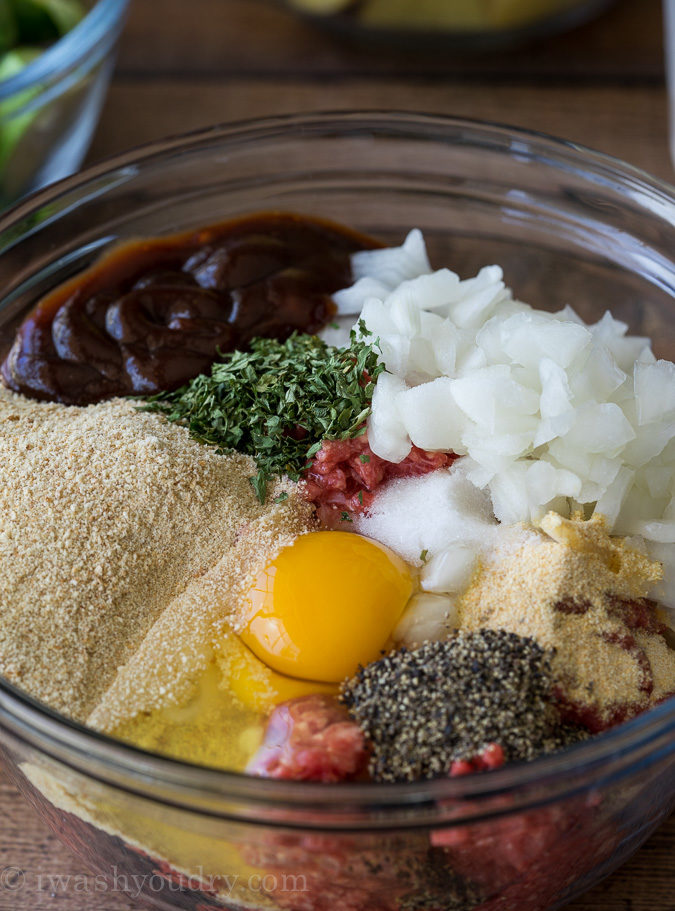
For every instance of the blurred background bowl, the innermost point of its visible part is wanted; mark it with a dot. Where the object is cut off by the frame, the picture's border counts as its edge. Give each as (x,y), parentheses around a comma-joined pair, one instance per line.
(569,226)
(50,108)
(460,25)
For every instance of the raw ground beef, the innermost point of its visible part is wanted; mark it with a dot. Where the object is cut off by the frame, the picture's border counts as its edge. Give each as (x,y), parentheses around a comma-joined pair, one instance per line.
(526,861)
(492,757)
(385,873)
(344,475)
(637,613)
(311,738)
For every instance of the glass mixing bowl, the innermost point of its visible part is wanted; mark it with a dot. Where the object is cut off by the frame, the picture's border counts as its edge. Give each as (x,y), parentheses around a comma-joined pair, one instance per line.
(569,226)
(49,110)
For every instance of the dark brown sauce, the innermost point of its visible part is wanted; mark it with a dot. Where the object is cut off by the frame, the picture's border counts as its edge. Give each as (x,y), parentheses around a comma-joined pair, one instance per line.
(152,314)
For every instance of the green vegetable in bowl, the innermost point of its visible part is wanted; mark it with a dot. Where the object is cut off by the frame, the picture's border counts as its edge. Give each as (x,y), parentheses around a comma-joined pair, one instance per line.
(9,31)
(27,28)
(37,21)
(14,122)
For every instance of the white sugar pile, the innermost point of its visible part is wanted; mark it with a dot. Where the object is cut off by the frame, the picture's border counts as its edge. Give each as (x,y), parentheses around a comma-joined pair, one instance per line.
(440,522)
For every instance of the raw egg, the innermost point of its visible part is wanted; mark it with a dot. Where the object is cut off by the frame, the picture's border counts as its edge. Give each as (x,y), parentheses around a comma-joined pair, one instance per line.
(256,685)
(326,604)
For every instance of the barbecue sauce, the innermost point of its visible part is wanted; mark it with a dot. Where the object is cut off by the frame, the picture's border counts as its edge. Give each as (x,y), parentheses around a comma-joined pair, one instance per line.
(153,314)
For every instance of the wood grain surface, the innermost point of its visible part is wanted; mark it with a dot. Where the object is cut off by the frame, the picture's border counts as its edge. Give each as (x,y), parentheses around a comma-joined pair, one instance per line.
(184,64)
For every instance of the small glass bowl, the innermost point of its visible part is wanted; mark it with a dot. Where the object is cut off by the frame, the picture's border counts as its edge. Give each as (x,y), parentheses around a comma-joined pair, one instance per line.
(49,110)
(458,25)
(569,226)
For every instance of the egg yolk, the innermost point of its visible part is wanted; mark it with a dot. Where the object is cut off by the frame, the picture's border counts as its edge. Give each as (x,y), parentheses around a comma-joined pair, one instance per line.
(326,604)
(257,686)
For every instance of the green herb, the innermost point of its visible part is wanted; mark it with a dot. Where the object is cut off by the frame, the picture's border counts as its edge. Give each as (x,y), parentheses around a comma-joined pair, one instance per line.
(278,401)
(364,458)
(282,496)
(345,517)
(424,555)
(361,497)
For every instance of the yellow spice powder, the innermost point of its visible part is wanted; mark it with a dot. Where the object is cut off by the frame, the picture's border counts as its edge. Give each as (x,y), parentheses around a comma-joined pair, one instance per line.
(563,591)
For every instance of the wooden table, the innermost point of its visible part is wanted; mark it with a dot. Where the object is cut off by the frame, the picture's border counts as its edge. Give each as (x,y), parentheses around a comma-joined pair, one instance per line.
(188,63)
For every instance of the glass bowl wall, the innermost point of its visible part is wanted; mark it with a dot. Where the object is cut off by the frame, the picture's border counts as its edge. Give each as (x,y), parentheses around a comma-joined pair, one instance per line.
(49,110)
(569,226)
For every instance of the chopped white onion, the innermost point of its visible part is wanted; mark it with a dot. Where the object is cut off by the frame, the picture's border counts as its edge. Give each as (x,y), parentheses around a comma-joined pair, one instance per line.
(427,618)
(430,416)
(549,413)
(450,570)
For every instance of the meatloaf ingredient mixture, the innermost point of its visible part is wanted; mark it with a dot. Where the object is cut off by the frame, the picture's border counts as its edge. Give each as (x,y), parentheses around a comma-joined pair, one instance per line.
(394,556)
(297,509)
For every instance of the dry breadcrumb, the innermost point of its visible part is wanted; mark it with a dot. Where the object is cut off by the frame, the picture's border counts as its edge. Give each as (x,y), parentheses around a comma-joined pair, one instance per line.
(169,663)
(107,517)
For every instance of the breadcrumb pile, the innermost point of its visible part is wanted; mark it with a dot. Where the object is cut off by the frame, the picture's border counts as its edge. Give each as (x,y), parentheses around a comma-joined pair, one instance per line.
(110,520)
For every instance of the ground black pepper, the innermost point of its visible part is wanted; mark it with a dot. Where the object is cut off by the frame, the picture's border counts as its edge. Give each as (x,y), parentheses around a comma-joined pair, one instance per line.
(425,708)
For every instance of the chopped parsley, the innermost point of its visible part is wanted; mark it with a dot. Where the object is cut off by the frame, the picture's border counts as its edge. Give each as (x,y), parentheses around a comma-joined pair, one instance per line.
(278,401)
(345,517)
(424,555)
(364,458)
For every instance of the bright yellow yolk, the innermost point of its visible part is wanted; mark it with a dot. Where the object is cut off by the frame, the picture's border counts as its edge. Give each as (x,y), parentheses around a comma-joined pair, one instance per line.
(328,603)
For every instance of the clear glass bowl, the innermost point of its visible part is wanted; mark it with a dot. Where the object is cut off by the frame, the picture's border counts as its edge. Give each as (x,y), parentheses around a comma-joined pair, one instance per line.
(569,226)
(459,25)
(49,110)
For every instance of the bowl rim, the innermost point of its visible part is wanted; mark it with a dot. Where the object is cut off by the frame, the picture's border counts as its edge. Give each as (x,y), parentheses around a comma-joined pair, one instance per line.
(604,165)
(69,741)
(100,24)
